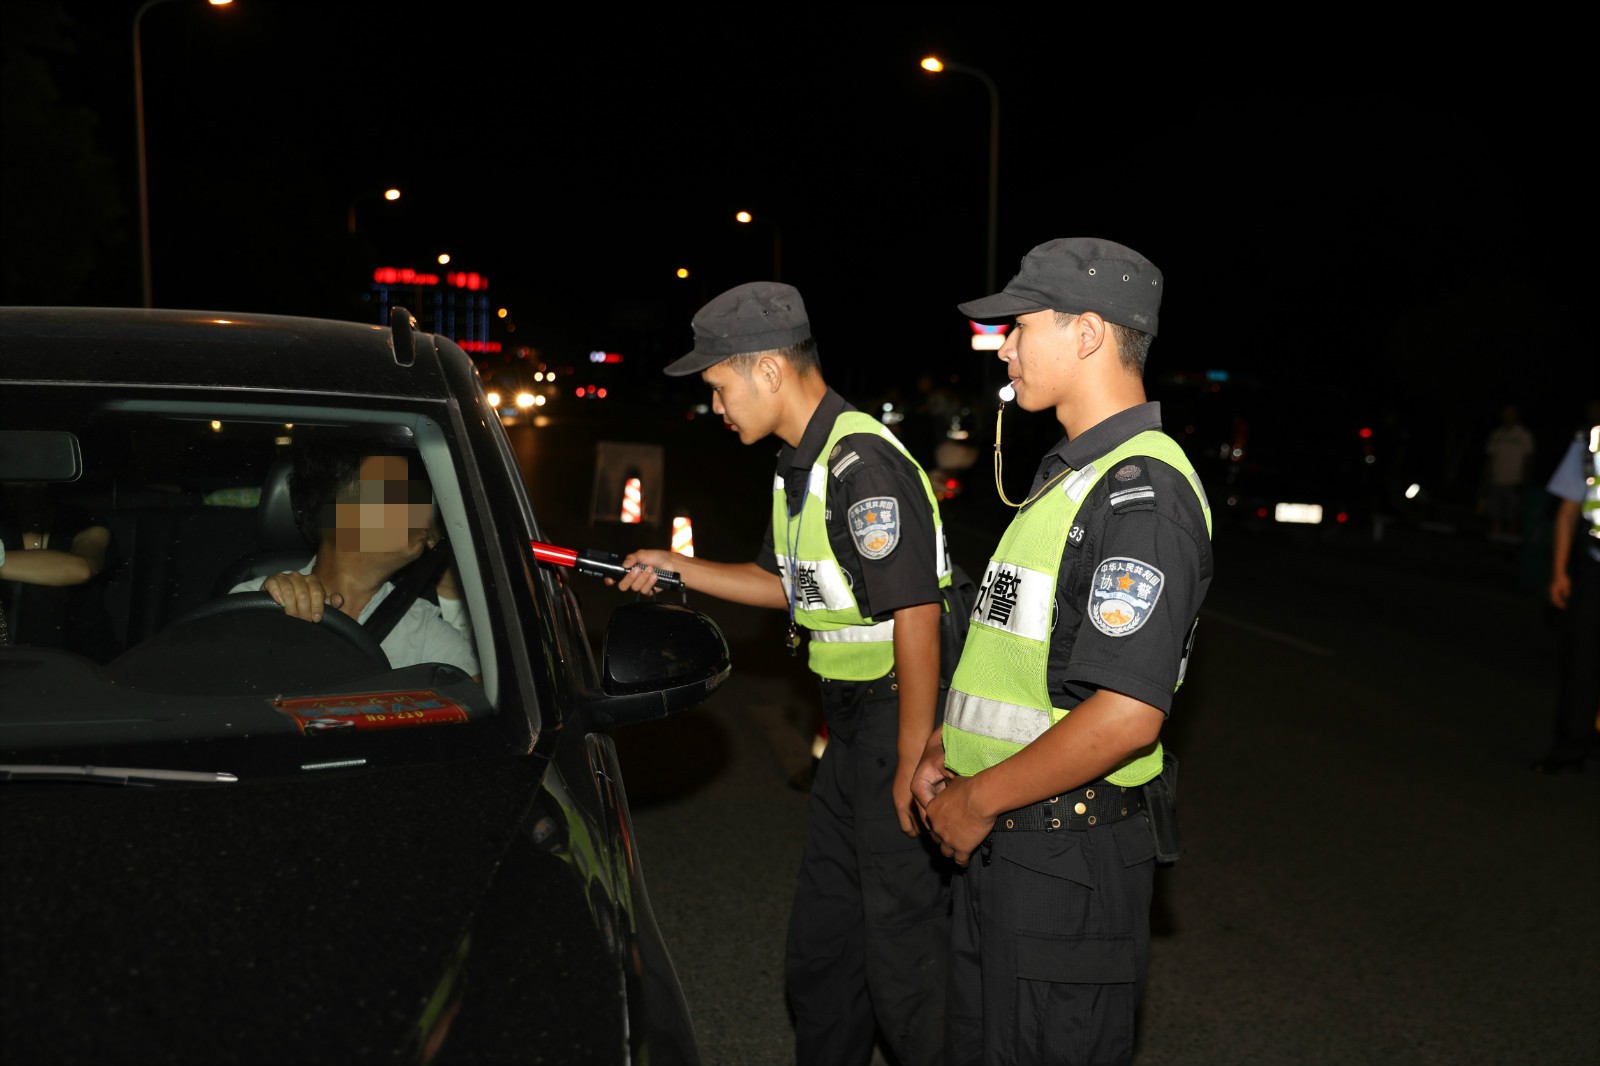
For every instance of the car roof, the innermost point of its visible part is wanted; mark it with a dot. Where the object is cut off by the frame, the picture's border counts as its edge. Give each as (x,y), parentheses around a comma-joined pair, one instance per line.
(138,346)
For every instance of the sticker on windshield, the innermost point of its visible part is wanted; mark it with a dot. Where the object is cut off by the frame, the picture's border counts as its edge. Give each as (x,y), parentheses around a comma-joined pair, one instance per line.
(1123,595)
(370,710)
(875,524)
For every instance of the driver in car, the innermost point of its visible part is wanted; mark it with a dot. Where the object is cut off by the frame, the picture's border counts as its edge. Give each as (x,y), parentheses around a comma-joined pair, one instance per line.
(369,517)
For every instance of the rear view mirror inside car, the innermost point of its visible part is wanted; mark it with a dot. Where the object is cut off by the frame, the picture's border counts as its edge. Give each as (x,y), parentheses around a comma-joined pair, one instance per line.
(39,455)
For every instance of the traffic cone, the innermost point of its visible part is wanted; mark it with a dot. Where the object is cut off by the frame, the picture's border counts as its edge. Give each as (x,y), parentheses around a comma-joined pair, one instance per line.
(683,536)
(632,507)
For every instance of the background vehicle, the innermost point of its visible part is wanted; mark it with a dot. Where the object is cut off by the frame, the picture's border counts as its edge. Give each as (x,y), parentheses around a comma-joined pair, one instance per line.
(1271,460)
(228,835)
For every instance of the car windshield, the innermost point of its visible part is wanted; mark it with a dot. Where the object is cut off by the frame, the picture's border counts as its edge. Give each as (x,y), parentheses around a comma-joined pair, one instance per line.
(146,626)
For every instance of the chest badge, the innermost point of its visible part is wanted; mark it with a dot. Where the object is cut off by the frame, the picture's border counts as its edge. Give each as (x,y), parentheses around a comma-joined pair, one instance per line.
(875,526)
(1123,595)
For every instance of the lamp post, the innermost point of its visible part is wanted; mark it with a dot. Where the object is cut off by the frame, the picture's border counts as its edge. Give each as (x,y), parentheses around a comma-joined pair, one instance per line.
(744,218)
(390,194)
(138,118)
(935,65)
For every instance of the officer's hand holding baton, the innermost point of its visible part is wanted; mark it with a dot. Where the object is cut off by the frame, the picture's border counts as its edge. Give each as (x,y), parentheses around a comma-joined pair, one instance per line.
(642,566)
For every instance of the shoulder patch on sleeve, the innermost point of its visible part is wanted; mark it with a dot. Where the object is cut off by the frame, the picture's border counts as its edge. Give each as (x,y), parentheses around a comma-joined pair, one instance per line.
(1130,486)
(875,526)
(1123,595)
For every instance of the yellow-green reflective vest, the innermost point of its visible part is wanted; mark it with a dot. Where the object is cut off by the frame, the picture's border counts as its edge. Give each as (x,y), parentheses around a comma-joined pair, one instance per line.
(999,697)
(845,645)
(1590,507)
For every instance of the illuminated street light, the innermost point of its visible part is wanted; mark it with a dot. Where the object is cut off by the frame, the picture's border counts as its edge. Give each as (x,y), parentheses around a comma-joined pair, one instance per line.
(444,258)
(390,194)
(138,120)
(934,65)
(745,218)
(683,272)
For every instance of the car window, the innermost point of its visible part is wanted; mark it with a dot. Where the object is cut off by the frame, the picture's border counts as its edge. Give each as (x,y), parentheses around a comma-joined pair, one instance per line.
(180,502)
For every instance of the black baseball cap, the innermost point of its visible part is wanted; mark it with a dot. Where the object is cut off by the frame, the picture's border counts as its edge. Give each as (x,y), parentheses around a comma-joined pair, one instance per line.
(1078,274)
(757,316)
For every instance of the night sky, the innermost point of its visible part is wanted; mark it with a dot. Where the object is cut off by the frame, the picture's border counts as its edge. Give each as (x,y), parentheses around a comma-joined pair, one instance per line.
(1344,235)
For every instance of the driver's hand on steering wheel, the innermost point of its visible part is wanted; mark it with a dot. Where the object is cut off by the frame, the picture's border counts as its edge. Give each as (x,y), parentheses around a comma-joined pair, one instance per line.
(300,595)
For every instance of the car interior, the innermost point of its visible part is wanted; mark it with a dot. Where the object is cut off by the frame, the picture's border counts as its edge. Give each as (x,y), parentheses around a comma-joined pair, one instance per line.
(196,498)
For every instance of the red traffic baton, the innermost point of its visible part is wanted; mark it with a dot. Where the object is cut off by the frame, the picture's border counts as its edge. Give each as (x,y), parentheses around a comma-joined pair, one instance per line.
(598,563)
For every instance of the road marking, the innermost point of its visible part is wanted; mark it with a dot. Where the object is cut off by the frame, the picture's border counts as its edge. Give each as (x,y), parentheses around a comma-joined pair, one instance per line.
(1266,634)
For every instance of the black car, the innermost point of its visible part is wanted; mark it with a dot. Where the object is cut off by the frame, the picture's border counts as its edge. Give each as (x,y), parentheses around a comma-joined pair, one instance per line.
(1278,459)
(227,835)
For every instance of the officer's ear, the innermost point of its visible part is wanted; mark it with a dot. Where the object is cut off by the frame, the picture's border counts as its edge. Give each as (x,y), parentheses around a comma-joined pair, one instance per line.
(769,372)
(1090,331)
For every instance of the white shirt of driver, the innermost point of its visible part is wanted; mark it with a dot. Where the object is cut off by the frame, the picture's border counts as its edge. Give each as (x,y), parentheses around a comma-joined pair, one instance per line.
(422,635)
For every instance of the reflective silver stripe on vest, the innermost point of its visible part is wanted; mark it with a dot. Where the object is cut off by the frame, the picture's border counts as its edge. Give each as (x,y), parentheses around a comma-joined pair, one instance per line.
(1194,479)
(883,631)
(1076,485)
(817,481)
(823,585)
(1016,599)
(994,719)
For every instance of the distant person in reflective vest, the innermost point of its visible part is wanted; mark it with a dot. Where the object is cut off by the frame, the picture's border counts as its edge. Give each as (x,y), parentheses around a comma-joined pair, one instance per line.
(855,556)
(1048,782)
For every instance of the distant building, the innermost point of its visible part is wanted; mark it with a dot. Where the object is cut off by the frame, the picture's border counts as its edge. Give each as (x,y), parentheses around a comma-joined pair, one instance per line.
(454,303)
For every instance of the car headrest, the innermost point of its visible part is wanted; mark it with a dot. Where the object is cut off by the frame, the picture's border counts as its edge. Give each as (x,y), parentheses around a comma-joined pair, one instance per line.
(276,529)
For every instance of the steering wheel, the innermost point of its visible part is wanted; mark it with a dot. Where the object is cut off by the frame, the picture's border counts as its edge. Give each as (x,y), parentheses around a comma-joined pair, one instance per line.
(336,622)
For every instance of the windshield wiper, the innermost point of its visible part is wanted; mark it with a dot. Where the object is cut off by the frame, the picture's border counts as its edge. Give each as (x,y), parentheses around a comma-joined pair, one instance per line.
(109,775)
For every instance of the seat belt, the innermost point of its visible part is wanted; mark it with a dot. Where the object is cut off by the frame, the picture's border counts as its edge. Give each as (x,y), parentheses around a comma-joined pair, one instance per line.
(419,576)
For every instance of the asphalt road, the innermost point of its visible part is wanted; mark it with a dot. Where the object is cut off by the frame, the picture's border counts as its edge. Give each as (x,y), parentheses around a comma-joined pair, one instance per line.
(1372,874)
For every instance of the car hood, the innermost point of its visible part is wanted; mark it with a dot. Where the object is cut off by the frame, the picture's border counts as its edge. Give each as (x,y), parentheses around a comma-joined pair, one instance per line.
(385,915)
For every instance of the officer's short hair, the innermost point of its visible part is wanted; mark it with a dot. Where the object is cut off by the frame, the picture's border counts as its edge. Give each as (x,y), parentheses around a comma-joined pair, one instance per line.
(1133,346)
(801,356)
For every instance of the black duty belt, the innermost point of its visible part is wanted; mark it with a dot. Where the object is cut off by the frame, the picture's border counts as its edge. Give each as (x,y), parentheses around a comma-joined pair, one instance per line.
(1094,805)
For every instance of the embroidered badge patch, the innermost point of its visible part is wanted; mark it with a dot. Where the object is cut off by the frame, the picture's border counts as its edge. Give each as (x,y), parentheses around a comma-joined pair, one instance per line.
(875,525)
(1123,595)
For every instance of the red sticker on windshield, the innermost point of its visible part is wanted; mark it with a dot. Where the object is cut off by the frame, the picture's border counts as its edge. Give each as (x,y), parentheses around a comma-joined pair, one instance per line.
(370,710)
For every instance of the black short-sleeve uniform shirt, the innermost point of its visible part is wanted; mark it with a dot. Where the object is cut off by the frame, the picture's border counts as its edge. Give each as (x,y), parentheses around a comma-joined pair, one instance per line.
(863,466)
(1145,511)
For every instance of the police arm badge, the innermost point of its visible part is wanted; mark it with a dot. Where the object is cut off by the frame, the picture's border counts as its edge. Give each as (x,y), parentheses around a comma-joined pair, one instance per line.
(875,526)
(1123,595)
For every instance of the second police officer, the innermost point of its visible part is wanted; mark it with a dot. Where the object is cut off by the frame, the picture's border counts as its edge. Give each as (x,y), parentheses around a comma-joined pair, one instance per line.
(1049,782)
(855,555)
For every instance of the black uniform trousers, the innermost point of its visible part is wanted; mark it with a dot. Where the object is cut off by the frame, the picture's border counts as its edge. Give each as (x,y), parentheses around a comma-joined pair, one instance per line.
(869,931)
(1050,941)
(1573,734)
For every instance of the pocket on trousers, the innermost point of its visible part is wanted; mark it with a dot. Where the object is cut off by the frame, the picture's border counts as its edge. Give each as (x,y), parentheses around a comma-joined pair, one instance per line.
(1135,842)
(1084,960)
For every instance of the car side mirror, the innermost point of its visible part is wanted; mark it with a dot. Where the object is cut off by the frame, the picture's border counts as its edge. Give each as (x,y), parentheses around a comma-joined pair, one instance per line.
(660,658)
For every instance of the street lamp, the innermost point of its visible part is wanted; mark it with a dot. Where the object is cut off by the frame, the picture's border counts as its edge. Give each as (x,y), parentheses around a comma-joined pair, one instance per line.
(138,118)
(388,194)
(745,218)
(934,65)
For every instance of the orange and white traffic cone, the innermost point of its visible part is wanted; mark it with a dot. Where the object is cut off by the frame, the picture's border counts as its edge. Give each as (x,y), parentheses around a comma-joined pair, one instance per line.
(683,536)
(632,505)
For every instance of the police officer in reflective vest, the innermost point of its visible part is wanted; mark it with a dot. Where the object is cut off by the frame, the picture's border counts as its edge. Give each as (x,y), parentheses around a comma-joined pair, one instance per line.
(856,557)
(1048,782)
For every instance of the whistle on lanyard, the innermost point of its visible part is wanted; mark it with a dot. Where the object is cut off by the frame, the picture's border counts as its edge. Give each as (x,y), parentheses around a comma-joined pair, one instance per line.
(598,564)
